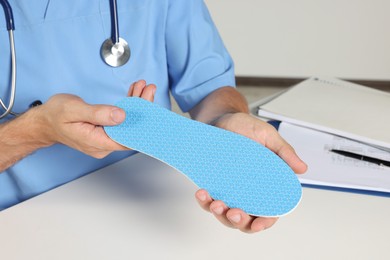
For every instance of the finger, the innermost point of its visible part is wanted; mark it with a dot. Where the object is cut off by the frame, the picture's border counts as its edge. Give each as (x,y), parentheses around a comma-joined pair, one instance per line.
(138,88)
(104,143)
(260,224)
(288,154)
(219,209)
(204,199)
(240,220)
(94,141)
(148,92)
(131,89)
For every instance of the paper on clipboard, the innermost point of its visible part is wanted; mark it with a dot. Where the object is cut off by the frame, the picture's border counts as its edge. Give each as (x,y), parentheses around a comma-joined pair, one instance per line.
(333,170)
(337,107)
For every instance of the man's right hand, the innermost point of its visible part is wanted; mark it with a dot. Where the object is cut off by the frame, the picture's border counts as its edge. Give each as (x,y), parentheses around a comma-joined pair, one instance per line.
(68,120)
(72,122)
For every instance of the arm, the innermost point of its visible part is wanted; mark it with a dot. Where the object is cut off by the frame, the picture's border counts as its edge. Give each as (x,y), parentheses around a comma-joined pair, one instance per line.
(228,109)
(20,137)
(65,119)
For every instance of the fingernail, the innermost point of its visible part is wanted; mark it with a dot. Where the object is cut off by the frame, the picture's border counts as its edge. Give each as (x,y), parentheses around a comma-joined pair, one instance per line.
(141,81)
(202,197)
(261,229)
(217,210)
(235,218)
(117,115)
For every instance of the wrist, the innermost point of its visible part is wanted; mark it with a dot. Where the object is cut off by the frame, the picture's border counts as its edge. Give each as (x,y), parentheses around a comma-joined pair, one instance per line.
(218,121)
(20,137)
(219,104)
(39,127)
(30,130)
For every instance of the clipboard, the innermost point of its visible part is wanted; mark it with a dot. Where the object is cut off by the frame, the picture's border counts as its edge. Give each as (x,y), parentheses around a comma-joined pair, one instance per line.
(334,106)
(329,171)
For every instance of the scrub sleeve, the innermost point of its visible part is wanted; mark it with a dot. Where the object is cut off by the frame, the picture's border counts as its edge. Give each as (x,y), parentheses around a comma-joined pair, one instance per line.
(198,62)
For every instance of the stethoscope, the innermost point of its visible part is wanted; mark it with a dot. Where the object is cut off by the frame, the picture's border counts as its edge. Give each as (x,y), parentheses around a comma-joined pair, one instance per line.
(114,51)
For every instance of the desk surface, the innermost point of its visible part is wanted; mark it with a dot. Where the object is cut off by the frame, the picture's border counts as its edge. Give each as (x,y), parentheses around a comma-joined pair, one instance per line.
(140,208)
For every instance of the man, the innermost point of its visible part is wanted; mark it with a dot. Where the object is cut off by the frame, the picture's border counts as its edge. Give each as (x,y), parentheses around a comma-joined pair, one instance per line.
(174,45)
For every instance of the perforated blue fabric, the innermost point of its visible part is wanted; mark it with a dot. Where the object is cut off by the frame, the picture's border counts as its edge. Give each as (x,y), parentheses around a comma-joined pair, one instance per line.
(231,167)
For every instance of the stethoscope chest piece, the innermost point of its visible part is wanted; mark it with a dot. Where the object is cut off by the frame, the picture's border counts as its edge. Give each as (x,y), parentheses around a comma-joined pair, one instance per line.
(115,54)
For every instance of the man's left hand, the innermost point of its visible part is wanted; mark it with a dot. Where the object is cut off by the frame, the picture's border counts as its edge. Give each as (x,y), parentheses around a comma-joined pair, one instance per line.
(265,134)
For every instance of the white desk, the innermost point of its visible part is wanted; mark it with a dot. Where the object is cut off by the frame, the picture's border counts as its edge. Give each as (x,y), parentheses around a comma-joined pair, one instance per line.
(141,209)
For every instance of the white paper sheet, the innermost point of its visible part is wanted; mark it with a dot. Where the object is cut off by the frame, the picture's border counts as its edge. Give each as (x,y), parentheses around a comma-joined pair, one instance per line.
(337,107)
(330,169)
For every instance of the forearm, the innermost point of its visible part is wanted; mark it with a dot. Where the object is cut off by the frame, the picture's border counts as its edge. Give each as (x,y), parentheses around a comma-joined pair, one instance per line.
(20,137)
(220,102)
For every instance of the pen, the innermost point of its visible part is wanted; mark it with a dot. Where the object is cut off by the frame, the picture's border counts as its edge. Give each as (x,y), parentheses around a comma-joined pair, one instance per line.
(361,157)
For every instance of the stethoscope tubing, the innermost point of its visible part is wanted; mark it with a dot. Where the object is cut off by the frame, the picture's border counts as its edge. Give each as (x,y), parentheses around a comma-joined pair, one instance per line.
(9,17)
(115,51)
(112,59)
(10,27)
(114,22)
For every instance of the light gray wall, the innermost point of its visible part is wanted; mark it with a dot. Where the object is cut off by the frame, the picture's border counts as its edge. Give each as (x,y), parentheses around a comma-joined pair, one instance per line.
(301,38)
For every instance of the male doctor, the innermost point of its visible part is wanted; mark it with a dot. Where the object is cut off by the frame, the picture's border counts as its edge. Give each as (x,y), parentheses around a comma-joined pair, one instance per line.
(174,45)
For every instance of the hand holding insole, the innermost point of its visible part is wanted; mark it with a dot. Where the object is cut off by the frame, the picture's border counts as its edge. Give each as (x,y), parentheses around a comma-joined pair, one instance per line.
(232,168)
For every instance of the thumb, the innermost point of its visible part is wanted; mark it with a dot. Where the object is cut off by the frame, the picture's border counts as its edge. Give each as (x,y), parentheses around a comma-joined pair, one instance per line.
(285,151)
(103,115)
(292,159)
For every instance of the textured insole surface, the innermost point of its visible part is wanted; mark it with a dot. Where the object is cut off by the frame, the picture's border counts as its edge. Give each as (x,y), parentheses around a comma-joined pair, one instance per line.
(231,167)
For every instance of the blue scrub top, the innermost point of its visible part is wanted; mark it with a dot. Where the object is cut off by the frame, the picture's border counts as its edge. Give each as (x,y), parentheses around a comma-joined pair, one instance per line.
(174,44)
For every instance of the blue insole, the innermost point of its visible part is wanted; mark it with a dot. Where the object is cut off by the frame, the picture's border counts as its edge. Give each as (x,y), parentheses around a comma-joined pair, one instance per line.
(232,168)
